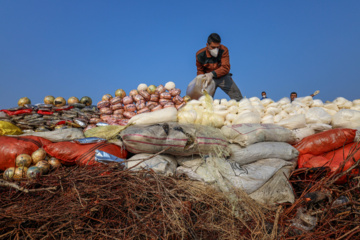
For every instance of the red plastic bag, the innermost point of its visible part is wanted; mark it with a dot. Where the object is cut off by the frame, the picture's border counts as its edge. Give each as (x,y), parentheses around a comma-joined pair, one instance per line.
(17,112)
(333,160)
(326,141)
(70,153)
(11,147)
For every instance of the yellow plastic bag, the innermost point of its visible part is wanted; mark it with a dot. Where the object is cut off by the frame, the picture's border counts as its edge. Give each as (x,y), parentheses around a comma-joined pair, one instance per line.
(7,128)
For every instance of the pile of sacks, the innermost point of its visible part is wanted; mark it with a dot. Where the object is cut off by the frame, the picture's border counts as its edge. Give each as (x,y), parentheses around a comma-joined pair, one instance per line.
(255,158)
(314,115)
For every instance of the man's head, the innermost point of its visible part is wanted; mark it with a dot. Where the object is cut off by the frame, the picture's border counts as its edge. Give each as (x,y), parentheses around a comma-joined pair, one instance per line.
(263,94)
(213,44)
(293,95)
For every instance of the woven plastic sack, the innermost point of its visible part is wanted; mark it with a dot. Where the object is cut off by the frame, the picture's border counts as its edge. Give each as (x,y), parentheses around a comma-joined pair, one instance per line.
(197,86)
(160,116)
(247,134)
(161,164)
(59,135)
(302,133)
(106,132)
(277,189)
(11,147)
(294,122)
(325,141)
(176,139)
(317,115)
(248,177)
(71,153)
(334,160)
(7,128)
(260,151)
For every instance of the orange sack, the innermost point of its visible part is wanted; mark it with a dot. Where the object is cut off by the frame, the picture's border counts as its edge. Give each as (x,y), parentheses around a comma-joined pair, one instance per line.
(333,160)
(11,147)
(70,153)
(326,141)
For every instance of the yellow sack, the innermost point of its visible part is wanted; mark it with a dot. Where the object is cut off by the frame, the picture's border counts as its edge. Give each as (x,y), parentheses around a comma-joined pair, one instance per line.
(7,128)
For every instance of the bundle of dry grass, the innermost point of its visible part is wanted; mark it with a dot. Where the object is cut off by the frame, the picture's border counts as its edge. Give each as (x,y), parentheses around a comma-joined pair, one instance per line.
(110,203)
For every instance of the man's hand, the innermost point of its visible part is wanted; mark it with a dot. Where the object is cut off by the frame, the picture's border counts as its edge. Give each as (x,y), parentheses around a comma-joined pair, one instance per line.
(209,76)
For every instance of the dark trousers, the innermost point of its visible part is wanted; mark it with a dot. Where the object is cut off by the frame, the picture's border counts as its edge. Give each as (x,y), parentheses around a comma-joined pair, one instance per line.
(227,84)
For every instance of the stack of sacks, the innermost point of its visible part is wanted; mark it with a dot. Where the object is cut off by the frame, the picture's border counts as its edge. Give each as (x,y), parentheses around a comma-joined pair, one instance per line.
(305,116)
(335,149)
(260,156)
(172,139)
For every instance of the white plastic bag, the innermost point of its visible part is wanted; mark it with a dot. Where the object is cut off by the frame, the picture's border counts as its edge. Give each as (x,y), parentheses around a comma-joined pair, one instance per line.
(346,118)
(317,115)
(301,133)
(197,85)
(247,134)
(160,116)
(260,151)
(161,164)
(293,122)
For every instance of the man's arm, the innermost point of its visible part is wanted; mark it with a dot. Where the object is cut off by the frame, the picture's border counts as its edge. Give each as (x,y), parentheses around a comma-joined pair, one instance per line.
(200,67)
(224,69)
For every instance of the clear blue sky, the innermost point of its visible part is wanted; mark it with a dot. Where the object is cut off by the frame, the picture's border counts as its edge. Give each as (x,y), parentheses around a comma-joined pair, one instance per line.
(77,48)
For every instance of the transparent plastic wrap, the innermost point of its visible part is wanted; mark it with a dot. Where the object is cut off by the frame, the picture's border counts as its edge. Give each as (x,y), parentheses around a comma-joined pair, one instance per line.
(197,86)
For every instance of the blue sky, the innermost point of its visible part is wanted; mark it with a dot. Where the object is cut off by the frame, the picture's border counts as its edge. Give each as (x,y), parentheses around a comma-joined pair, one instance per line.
(90,48)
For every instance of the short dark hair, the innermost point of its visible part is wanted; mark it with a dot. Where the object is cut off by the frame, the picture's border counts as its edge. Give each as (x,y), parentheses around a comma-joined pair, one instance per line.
(214,37)
(293,93)
(263,92)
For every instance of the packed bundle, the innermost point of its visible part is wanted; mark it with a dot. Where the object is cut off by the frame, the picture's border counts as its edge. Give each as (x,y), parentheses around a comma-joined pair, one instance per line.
(120,109)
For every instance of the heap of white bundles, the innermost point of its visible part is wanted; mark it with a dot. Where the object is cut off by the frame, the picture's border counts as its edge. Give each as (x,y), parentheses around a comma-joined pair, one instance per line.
(302,113)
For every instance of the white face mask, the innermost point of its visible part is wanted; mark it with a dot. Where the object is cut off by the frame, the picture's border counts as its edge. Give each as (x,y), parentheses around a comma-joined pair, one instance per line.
(214,52)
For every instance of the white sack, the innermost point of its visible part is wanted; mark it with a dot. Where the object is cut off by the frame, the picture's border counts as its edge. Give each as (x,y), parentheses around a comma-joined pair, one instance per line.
(197,85)
(248,177)
(296,121)
(342,102)
(59,135)
(267,119)
(277,189)
(190,173)
(160,116)
(262,150)
(317,115)
(356,102)
(346,118)
(301,133)
(190,161)
(319,127)
(247,134)
(266,101)
(161,164)
(249,117)
(317,103)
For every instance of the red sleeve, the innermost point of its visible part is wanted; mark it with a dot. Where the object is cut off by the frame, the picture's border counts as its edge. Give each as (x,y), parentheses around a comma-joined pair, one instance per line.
(224,69)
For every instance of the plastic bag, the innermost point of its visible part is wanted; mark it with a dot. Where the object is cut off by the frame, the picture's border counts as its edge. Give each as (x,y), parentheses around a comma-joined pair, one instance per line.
(70,153)
(161,164)
(325,141)
(260,151)
(197,85)
(247,134)
(296,121)
(317,115)
(59,135)
(89,140)
(346,118)
(104,157)
(7,128)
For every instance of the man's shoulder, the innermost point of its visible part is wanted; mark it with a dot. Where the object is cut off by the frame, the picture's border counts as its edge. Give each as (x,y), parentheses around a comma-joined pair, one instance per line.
(201,51)
(222,47)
